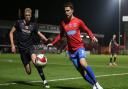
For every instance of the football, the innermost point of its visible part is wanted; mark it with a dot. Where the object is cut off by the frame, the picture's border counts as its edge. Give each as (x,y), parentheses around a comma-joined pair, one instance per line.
(41,60)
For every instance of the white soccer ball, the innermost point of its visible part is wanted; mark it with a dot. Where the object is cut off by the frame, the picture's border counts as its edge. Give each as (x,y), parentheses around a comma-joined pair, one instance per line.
(41,60)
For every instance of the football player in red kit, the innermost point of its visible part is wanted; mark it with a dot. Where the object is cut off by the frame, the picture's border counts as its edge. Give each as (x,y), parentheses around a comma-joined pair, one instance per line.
(71,28)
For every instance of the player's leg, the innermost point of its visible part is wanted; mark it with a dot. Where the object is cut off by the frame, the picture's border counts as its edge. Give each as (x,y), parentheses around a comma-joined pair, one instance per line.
(90,74)
(80,69)
(26,61)
(27,69)
(85,75)
(111,57)
(110,61)
(75,60)
(40,71)
(115,57)
(87,68)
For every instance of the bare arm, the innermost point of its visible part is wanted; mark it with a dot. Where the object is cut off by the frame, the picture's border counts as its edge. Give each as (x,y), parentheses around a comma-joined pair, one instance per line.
(11,39)
(116,43)
(42,36)
(109,48)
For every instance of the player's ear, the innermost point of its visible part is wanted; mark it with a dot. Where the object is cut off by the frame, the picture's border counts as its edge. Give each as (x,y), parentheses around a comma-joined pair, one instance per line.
(72,11)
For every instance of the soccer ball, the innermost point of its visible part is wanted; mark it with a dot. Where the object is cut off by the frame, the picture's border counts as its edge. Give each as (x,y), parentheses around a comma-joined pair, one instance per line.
(41,60)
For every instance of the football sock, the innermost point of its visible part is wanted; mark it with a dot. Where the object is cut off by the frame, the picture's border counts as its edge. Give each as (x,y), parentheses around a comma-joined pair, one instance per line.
(114,59)
(41,73)
(111,60)
(90,74)
(87,78)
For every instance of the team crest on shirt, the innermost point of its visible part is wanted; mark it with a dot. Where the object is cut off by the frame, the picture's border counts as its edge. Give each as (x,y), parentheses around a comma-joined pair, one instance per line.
(26,29)
(75,25)
(72,25)
(69,25)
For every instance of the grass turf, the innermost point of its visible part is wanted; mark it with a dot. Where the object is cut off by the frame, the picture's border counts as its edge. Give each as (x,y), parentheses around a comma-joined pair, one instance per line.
(13,76)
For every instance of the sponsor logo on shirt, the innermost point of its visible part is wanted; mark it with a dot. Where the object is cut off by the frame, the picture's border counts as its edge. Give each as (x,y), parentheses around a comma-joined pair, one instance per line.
(26,31)
(71,32)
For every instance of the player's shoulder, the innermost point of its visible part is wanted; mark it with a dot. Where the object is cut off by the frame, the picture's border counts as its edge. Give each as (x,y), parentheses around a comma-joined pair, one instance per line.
(62,21)
(19,21)
(78,19)
(33,23)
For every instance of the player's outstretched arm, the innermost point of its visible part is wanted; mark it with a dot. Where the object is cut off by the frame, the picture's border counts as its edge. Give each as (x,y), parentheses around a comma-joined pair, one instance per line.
(42,36)
(94,39)
(89,32)
(57,38)
(109,48)
(13,48)
(116,43)
(86,29)
(48,45)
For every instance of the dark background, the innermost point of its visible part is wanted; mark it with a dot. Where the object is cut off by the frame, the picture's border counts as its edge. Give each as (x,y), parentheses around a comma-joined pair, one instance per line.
(101,16)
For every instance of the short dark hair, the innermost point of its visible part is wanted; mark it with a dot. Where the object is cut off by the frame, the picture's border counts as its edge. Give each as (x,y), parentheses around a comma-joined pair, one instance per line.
(69,4)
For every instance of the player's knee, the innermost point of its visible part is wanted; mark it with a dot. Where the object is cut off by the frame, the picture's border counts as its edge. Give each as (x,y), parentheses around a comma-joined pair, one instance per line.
(111,56)
(115,55)
(33,57)
(83,62)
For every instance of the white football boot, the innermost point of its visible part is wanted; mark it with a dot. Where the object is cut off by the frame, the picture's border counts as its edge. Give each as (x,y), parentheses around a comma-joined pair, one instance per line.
(46,84)
(97,86)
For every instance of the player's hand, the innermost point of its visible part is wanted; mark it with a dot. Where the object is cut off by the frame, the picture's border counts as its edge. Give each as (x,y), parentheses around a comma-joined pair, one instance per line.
(94,40)
(48,41)
(48,45)
(13,49)
(117,45)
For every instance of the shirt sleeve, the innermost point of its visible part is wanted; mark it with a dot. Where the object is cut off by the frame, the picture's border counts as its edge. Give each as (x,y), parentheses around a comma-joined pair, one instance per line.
(16,24)
(85,28)
(59,36)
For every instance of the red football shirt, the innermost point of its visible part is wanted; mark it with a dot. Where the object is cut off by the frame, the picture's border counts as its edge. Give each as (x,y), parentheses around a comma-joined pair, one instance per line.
(72,30)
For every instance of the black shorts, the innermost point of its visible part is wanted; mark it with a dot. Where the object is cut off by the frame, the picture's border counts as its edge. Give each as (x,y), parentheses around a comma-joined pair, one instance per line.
(114,51)
(25,55)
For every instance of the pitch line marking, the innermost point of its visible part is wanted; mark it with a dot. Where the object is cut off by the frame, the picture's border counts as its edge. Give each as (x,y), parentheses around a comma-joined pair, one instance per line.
(107,75)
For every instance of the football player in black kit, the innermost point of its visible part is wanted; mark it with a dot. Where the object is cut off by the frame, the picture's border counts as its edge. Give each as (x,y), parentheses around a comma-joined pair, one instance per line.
(113,50)
(25,30)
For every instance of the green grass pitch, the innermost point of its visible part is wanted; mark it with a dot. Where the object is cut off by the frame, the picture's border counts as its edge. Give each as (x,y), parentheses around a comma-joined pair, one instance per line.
(61,73)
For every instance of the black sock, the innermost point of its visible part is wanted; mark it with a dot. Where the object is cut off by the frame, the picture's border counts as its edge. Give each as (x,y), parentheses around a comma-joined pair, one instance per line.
(110,59)
(114,59)
(41,73)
